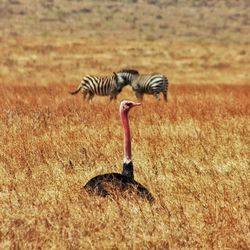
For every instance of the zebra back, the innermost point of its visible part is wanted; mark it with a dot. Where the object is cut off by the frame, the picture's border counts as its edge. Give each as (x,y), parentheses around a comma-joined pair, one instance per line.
(98,85)
(152,84)
(149,83)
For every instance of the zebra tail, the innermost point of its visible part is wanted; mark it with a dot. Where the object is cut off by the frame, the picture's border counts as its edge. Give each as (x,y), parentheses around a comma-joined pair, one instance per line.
(165,82)
(76,91)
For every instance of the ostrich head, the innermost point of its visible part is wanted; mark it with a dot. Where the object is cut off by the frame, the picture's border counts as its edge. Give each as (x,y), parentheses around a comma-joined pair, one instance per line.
(125,106)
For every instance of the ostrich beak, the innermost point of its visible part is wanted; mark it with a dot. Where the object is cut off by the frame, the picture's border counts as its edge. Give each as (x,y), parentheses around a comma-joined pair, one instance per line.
(136,104)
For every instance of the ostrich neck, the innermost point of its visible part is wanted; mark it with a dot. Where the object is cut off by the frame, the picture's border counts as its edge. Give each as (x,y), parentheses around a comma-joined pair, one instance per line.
(127,138)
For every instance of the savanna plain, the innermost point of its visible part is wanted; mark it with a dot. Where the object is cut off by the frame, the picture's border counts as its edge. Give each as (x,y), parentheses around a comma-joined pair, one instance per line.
(192,152)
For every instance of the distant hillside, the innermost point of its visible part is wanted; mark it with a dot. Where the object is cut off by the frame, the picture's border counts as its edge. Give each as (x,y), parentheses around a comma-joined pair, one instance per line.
(226,21)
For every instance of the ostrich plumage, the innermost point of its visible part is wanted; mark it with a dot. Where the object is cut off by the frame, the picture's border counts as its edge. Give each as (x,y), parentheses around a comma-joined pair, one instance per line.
(125,181)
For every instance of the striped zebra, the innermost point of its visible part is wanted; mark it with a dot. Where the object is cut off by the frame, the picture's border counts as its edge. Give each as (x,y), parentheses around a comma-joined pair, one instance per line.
(128,75)
(102,86)
(152,84)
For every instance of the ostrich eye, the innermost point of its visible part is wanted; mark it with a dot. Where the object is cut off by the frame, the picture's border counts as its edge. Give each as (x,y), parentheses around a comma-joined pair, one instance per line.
(126,106)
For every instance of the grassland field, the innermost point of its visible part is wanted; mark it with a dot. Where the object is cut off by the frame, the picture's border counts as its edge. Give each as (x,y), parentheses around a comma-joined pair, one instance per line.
(192,152)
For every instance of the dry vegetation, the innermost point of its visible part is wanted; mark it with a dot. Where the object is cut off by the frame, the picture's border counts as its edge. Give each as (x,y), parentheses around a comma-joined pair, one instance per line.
(191,153)
(39,60)
(224,21)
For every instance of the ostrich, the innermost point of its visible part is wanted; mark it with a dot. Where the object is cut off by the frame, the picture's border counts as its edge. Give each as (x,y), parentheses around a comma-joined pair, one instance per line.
(124,181)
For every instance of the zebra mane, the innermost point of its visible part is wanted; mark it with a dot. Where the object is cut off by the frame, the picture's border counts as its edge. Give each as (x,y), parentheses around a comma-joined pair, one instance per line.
(131,71)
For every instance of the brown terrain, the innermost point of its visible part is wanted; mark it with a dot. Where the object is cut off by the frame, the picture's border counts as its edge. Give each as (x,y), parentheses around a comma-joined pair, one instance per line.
(192,153)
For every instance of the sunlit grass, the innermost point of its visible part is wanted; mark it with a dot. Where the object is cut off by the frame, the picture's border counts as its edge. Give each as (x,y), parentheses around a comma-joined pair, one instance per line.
(191,153)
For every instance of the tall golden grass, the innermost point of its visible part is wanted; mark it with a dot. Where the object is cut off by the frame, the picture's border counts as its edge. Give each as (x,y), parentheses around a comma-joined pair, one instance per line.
(191,153)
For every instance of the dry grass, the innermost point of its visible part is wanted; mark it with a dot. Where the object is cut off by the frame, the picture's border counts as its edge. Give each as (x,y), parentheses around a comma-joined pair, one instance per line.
(223,21)
(39,60)
(192,154)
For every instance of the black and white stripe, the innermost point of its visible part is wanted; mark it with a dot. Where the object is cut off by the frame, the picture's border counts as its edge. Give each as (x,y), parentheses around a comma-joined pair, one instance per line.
(128,75)
(152,84)
(102,86)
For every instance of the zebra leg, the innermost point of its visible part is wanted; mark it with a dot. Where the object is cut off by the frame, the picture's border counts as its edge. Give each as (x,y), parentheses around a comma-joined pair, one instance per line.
(112,97)
(90,97)
(84,94)
(157,95)
(139,96)
(165,96)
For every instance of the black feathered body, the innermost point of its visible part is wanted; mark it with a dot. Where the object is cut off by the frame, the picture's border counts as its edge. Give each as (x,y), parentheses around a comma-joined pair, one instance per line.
(122,182)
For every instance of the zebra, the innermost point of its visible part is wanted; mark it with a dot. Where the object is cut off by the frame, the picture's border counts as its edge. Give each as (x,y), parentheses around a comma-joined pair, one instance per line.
(102,86)
(128,75)
(152,84)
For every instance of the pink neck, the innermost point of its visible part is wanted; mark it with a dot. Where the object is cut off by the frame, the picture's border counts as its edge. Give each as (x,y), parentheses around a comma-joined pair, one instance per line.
(127,139)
